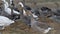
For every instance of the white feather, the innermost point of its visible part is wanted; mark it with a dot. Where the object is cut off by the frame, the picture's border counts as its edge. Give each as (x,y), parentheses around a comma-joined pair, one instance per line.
(20,3)
(24,13)
(35,16)
(5,4)
(4,21)
(10,1)
(8,10)
(47,30)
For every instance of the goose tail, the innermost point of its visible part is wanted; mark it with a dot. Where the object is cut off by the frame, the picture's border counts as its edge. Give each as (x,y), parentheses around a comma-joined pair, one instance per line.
(12,21)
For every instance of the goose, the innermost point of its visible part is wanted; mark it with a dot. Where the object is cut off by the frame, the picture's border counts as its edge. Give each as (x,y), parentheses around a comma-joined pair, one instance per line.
(27,8)
(26,18)
(24,7)
(7,9)
(56,12)
(45,8)
(24,13)
(35,12)
(40,26)
(55,18)
(46,12)
(35,9)
(16,14)
(4,21)
(15,8)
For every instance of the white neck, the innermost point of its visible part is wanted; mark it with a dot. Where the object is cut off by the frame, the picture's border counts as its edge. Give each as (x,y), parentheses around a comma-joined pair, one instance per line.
(24,13)
(10,1)
(5,4)
(20,3)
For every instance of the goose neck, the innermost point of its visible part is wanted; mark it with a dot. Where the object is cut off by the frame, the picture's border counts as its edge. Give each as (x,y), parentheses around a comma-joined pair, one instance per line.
(20,3)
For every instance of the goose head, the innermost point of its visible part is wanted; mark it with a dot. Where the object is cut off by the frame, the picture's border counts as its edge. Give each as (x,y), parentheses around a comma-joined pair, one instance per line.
(20,3)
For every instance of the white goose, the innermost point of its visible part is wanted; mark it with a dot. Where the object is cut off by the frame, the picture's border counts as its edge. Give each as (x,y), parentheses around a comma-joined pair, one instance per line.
(7,9)
(4,21)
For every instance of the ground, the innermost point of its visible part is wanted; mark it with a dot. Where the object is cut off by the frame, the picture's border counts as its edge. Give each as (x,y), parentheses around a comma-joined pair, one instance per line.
(20,27)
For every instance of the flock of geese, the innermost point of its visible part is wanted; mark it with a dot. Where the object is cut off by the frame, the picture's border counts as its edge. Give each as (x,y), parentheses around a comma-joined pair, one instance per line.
(30,16)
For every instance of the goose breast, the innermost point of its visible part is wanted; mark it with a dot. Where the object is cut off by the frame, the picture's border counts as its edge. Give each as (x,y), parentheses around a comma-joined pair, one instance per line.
(5,20)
